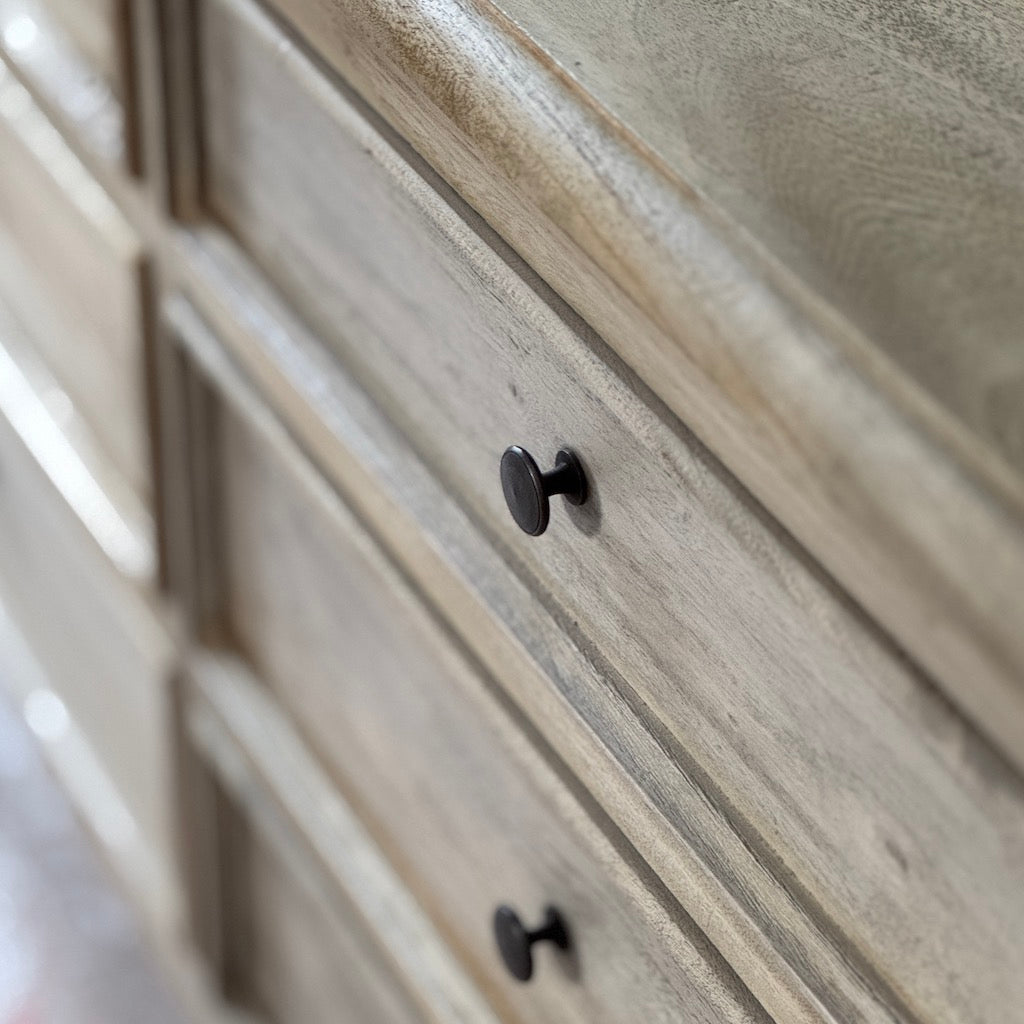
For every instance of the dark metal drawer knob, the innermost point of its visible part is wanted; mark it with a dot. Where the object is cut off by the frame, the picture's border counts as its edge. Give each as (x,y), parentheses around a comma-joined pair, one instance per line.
(527,489)
(516,943)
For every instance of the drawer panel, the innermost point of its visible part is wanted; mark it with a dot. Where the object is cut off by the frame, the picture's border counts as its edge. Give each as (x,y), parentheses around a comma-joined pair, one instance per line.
(73,274)
(102,649)
(853,774)
(470,812)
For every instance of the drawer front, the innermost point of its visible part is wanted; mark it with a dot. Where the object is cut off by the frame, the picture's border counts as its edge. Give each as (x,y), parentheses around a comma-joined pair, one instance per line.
(855,777)
(101,648)
(471,813)
(73,274)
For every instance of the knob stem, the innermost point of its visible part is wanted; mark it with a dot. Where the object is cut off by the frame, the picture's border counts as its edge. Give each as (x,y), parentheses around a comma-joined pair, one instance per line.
(566,478)
(551,930)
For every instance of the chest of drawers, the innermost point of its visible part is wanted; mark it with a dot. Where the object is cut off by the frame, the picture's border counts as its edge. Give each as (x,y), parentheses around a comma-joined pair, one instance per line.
(737,734)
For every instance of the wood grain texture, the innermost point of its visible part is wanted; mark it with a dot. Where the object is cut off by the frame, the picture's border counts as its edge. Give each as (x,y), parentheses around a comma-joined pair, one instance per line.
(759,672)
(463,803)
(780,953)
(878,725)
(80,286)
(914,514)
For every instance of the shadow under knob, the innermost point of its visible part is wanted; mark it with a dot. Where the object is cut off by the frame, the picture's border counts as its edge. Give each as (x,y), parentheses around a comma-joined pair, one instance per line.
(527,489)
(516,942)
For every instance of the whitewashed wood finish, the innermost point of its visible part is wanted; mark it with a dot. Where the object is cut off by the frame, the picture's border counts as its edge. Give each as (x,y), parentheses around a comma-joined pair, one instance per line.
(462,800)
(909,511)
(79,289)
(914,748)
(75,55)
(918,518)
(103,650)
(264,765)
(765,680)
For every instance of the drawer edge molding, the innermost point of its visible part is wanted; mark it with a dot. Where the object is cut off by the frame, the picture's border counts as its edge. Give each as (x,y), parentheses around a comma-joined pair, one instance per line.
(252,746)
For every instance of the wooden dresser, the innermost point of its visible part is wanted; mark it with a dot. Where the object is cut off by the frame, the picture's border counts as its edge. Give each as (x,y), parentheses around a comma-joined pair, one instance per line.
(514,511)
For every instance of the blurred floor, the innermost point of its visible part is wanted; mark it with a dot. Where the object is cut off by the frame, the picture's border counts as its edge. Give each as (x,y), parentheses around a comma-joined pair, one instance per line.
(70,949)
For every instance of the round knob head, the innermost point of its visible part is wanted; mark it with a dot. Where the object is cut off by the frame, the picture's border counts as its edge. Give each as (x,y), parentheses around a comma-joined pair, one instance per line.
(523,486)
(514,943)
